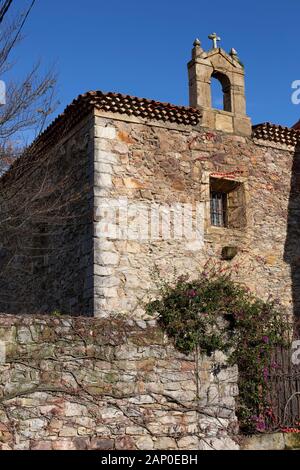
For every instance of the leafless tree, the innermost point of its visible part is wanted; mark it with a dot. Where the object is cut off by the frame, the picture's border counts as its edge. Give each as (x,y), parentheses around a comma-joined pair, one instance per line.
(31,200)
(28,102)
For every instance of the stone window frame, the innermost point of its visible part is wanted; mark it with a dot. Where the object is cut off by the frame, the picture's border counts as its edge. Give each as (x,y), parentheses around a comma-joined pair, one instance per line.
(205,199)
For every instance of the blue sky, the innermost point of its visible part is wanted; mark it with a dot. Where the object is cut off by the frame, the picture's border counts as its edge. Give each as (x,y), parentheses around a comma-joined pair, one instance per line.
(142,47)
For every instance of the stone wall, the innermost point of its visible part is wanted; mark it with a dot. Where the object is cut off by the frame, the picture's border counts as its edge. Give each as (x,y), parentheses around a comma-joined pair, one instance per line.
(272,441)
(46,213)
(58,259)
(109,384)
(155,163)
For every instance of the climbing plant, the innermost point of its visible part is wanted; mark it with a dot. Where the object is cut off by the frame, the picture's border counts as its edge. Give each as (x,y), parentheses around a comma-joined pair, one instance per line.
(213,312)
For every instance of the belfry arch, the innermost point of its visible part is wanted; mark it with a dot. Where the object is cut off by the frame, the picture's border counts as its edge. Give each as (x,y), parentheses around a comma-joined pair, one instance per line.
(226,89)
(229,71)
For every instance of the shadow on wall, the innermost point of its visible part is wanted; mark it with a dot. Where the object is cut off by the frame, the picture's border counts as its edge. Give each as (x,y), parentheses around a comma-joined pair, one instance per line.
(46,233)
(292,244)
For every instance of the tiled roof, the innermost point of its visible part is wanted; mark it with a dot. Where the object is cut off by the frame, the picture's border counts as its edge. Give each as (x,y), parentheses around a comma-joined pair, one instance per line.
(296,126)
(144,108)
(110,102)
(275,133)
(117,103)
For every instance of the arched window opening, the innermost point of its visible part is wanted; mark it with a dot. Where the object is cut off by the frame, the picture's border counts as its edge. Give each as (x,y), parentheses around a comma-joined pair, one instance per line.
(221,92)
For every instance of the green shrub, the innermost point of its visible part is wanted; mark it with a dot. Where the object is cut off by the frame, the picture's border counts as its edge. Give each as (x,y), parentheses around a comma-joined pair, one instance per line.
(213,313)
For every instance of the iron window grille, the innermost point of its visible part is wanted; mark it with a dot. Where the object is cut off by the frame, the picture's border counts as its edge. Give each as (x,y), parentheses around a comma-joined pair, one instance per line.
(218,208)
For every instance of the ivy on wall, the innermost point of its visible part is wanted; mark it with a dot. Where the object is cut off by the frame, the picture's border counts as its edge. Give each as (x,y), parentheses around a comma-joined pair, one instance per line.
(213,313)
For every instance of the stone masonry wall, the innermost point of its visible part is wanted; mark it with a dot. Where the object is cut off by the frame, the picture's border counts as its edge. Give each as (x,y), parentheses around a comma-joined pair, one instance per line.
(46,213)
(109,384)
(53,256)
(165,164)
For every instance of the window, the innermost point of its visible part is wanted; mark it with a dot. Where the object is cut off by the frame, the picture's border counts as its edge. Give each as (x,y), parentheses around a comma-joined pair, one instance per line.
(227,203)
(218,208)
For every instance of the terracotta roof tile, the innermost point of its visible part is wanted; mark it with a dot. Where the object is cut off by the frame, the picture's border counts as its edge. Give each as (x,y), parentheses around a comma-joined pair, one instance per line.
(117,103)
(139,107)
(276,133)
(296,126)
(110,102)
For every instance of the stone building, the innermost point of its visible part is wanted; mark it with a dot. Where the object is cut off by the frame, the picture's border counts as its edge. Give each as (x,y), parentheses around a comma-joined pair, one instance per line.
(297,126)
(118,185)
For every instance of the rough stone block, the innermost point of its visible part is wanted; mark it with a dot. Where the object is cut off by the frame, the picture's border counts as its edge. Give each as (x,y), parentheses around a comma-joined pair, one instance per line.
(102,167)
(242,126)
(224,122)
(41,445)
(101,444)
(108,132)
(105,157)
(144,443)
(165,443)
(292,441)
(103,180)
(273,441)
(107,258)
(188,443)
(224,443)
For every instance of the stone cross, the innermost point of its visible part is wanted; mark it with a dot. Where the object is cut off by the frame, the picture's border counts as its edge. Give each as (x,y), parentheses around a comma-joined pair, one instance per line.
(214,39)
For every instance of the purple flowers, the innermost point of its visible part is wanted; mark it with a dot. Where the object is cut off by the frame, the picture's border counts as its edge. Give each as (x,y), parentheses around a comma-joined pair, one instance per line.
(191,293)
(260,424)
(266,373)
(265,339)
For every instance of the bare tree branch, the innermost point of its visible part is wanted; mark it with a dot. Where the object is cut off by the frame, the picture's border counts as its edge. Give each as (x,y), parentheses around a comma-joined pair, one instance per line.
(29,102)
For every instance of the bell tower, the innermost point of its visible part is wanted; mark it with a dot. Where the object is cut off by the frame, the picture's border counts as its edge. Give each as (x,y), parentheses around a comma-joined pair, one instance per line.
(229,71)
